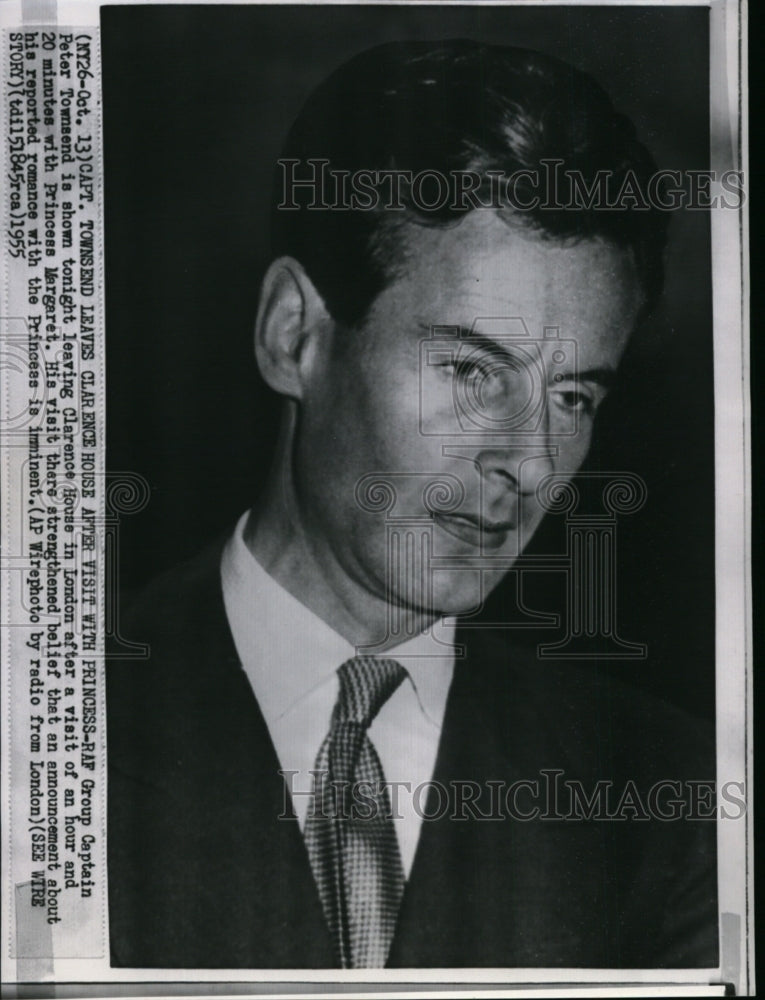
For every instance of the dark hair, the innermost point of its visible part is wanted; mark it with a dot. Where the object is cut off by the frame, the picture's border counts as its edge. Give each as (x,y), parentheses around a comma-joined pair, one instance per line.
(448,106)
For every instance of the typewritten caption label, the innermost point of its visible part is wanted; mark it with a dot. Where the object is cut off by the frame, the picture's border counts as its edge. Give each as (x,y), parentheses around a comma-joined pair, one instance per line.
(52,427)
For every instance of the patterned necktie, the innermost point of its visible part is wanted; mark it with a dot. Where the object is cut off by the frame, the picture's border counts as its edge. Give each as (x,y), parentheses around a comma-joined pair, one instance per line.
(349,832)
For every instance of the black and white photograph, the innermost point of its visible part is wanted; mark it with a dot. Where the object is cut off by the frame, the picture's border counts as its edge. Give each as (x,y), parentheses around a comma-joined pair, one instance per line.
(412,335)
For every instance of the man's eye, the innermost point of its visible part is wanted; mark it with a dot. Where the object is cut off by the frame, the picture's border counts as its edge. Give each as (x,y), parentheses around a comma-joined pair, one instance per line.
(577,401)
(485,368)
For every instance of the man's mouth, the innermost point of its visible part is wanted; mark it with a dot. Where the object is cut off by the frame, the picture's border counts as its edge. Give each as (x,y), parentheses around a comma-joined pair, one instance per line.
(477,531)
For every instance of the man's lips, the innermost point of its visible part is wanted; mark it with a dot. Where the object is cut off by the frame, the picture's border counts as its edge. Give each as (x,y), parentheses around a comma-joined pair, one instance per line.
(478,531)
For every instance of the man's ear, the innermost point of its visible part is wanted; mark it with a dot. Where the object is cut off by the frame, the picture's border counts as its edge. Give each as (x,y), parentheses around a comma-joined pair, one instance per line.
(291,319)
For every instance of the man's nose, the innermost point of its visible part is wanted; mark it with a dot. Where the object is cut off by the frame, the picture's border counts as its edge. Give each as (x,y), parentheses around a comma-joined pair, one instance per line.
(520,460)
(519,465)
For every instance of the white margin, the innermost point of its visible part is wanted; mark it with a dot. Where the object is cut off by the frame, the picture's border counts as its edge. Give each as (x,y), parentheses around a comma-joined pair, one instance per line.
(733,552)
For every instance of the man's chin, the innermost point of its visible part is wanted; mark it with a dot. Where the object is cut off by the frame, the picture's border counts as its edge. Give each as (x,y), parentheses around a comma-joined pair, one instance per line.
(463,593)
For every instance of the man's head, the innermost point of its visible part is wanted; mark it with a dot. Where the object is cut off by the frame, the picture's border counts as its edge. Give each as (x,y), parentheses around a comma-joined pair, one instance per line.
(459,348)
(455,107)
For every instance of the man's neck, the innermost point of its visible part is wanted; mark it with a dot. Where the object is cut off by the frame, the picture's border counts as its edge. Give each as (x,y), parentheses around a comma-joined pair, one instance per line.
(275,536)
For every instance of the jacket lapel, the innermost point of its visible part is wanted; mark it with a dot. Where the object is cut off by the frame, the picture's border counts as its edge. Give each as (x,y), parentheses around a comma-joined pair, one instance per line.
(208,867)
(488,889)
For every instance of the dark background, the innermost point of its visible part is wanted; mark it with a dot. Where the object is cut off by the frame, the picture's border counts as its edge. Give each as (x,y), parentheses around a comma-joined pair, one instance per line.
(197,101)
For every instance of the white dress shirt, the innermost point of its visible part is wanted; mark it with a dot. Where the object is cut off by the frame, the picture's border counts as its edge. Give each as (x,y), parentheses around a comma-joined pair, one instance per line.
(291,657)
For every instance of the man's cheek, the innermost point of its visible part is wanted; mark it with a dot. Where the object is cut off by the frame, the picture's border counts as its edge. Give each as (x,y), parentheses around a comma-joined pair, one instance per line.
(572,452)
(436,415)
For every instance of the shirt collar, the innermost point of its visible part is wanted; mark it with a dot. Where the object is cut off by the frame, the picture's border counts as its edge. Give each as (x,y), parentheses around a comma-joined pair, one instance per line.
(287,651)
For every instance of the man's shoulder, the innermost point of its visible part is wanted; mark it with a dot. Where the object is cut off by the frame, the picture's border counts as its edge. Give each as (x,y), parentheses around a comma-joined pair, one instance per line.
(175,657)
(171,602)
(593,709)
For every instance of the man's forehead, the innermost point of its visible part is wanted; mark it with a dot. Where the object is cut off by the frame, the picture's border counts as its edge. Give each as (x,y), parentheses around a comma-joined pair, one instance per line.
(487,243)
(489,266)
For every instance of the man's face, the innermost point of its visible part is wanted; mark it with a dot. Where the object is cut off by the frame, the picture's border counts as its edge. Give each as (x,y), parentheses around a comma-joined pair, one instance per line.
(487,411)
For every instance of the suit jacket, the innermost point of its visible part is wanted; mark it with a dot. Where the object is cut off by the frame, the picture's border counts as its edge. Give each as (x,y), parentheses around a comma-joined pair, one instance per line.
(206,871)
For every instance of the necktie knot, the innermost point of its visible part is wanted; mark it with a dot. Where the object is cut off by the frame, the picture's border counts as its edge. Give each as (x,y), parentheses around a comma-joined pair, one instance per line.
(366,683)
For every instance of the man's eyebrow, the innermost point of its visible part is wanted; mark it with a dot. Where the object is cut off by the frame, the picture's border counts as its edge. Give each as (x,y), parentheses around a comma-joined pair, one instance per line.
(604,377)
(462,334)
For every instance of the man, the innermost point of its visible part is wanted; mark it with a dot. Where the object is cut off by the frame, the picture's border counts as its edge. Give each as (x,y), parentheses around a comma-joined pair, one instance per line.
(312,770)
